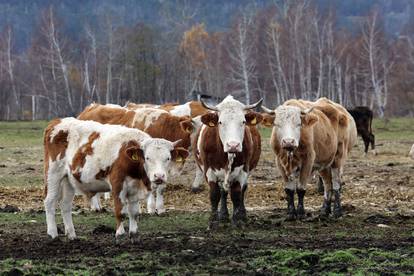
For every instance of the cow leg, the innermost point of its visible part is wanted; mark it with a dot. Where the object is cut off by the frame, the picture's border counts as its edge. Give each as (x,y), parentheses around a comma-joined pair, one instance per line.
(327,187)
(118,215)
(243,213)
(96,203)
(50,202)
(68,193)
(304,175)
(236,198)
(151,205)
(372,141)
(198,181)
(224,211)
(133,210)
(214,201)
(159,205)
(366,139)
(336,181)
(321,189)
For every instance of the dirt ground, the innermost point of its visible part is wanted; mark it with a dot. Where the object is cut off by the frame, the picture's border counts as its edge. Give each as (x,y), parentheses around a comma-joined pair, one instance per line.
(375,235)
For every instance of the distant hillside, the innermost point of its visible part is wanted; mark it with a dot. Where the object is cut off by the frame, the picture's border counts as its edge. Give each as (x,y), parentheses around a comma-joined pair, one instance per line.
(23,15)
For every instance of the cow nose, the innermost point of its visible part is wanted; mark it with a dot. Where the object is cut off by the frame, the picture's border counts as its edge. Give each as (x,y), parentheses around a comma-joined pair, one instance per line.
(233,146)
(288,144)
(159,178)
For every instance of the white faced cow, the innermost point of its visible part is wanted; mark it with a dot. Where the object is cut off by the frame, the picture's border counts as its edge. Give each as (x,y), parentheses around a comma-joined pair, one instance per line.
(228,148)
(90,157)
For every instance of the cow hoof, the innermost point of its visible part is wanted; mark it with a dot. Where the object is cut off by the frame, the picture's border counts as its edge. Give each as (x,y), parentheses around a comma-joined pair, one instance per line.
(119,239)
(213,225)
(301,213)
(134,238)
(224,217)
(160,211)
(196,190)
(291,216)
(337,213)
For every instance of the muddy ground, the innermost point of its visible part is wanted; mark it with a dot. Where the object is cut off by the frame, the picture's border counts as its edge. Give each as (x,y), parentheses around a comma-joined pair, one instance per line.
(376,234)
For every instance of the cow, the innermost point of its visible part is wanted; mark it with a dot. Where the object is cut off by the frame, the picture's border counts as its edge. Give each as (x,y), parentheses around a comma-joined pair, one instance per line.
(194,109)
(90,157)
(411,154)
(363,118)
(228,147)
(158,124)
(306,137)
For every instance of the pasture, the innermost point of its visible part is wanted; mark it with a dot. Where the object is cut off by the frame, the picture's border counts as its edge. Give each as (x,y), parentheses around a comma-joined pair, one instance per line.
(375,235)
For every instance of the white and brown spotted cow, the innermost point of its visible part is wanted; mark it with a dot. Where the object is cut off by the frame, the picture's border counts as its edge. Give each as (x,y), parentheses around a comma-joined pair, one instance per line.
(194,109)
(90,157)
(228,148)
(306,137)
(158,124)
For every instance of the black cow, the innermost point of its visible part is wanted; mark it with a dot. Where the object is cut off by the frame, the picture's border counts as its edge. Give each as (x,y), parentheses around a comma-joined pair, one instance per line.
(363,119)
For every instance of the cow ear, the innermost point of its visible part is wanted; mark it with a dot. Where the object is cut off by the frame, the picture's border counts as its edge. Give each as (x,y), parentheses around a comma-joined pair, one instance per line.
(268,120)
(309,119)
(187,125)
(135,154)
(210,119)
(179,155)
(253,118)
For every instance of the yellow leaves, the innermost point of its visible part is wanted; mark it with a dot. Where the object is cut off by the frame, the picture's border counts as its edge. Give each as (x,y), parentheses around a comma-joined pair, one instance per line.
(194,45)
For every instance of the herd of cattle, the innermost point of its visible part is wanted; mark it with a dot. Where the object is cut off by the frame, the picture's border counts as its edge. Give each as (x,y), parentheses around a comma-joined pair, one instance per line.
(131,151)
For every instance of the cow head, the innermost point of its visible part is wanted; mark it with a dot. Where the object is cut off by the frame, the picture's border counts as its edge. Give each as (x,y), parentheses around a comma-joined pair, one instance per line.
(287,122)
(231,118)
(157,155)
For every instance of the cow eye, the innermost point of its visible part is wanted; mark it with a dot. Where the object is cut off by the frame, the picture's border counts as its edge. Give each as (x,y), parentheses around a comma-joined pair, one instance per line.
(168,159)
(147,158)
(220,122)
(244,122)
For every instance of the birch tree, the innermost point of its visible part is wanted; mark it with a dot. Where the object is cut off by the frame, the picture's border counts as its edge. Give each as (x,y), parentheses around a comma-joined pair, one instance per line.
(242,63)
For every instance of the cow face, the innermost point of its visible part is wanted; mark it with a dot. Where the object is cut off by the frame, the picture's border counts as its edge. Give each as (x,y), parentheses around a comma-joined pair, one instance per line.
(158,155)
(230,118)
(288,122)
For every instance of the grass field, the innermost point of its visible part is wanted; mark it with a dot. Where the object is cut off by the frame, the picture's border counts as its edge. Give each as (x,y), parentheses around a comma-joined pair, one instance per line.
(375,236)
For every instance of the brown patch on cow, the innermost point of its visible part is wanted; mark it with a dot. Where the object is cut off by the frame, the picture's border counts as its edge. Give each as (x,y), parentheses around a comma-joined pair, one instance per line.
(169,127)
(103,173)
(122,167)
(53,149)
(108,115)
(79,158)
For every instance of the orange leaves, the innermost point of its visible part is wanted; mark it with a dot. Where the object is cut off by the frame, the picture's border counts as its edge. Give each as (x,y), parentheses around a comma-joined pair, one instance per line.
(194,45)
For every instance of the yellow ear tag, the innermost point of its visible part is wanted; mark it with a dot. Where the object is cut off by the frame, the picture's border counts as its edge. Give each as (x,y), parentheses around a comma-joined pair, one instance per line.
(189,129)
(268,124)
(134,156)
(254,121)
(211,124)
(179,159)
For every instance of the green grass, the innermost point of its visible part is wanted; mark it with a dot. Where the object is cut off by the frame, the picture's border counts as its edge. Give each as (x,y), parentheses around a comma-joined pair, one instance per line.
(21,134)
(394,129)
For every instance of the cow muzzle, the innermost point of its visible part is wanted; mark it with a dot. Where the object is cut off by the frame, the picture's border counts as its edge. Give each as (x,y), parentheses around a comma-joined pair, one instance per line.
(233,147)
(159,178)
(289,144)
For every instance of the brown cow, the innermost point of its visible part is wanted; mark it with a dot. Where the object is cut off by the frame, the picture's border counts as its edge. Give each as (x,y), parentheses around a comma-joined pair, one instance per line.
(310,136)
(228,148)
(157,123)
(90,157)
